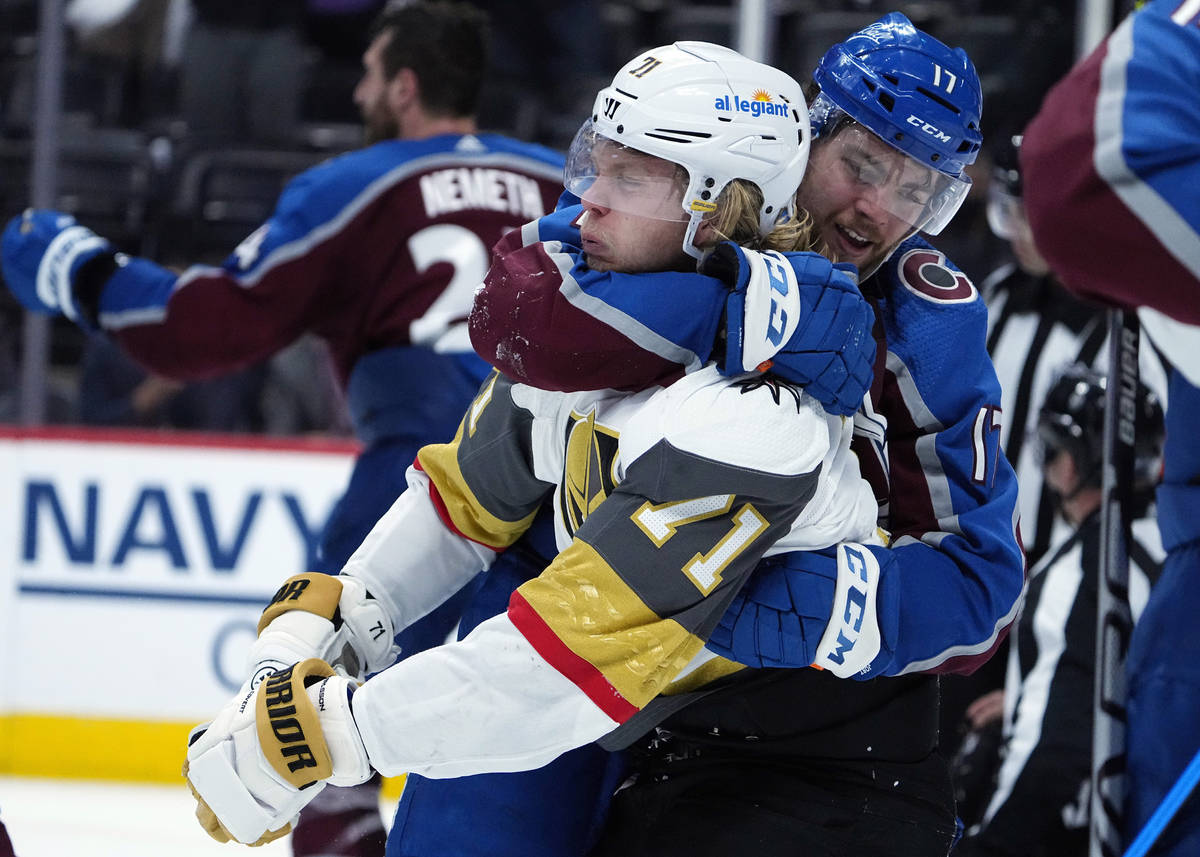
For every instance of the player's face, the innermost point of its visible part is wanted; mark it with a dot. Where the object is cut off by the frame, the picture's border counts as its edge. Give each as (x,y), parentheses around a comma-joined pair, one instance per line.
(615,238)
(855,188)
(371,95)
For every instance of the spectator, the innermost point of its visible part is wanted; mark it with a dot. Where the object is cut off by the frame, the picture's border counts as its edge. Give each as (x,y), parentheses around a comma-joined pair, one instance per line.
(242,73)
(116,391)
(301,394)
(132,42)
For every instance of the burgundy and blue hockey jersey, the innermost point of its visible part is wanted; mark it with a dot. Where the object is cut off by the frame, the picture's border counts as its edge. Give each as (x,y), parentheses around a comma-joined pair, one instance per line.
(378,248)
(1111,165)
(927,437)
(378,253)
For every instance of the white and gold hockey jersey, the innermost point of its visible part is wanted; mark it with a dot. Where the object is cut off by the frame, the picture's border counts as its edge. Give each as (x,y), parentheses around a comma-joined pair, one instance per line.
(664,501)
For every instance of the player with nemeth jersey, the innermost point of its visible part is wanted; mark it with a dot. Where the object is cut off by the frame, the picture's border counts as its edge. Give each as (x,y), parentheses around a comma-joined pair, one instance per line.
(377,252)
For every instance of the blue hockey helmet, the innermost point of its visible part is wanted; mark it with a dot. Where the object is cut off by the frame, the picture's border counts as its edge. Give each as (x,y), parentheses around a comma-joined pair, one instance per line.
(913,92)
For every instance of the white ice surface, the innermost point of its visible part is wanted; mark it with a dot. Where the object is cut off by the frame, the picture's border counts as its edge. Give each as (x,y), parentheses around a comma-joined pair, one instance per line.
(65,818)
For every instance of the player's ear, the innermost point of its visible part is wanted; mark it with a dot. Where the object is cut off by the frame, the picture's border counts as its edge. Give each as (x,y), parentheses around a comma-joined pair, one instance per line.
(403,91)
(706,235)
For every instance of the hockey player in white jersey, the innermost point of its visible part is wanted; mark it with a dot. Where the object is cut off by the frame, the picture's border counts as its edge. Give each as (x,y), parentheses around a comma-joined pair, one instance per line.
(785,742)
(664,501)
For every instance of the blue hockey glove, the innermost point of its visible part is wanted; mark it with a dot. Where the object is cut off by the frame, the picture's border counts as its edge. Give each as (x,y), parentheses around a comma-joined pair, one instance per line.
(778,617)
(808,608)
(53,265)
(802,317)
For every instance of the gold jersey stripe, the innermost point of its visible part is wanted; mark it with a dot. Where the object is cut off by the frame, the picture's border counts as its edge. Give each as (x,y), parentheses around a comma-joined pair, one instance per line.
(595,614)
(466,513)
(708,672)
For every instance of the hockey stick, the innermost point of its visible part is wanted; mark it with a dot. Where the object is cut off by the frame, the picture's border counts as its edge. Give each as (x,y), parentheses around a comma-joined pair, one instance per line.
(1114,621)
(1166,810)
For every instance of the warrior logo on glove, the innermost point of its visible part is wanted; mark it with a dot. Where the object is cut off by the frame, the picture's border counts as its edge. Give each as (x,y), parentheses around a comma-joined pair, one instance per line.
(276,708)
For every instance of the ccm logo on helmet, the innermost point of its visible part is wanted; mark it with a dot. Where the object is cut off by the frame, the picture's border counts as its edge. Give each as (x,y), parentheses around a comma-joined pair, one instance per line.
(917,122)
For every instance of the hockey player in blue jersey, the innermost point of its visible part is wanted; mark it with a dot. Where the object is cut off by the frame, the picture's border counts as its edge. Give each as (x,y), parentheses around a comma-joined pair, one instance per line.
(1112,163)
(927,433)
(390,332)
(646,560)
(894,126)
(377,252)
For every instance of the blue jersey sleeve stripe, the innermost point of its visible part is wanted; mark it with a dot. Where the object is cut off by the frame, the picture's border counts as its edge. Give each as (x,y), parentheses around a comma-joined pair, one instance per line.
(1165,205)
(601,307)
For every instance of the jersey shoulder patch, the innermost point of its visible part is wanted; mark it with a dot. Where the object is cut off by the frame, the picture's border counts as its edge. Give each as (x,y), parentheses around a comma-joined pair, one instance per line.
(926,273)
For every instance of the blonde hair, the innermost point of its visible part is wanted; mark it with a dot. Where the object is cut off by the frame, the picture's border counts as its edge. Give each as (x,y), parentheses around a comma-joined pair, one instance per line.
(736,220)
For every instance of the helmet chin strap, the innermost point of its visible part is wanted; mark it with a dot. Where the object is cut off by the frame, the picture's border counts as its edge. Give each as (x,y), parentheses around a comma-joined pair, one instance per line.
(689,237)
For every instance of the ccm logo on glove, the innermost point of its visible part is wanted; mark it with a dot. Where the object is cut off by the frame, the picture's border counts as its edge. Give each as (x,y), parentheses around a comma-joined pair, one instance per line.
(852,639)
(777,271)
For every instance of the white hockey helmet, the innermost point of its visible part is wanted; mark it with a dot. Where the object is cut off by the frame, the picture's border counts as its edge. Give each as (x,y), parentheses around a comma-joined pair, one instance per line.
(715,113)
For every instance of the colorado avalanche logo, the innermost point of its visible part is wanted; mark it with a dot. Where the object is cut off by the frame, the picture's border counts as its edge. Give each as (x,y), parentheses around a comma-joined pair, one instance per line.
(924,272)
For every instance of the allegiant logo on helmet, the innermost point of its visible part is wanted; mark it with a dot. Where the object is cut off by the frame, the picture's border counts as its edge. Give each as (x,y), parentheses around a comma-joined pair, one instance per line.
(760,105)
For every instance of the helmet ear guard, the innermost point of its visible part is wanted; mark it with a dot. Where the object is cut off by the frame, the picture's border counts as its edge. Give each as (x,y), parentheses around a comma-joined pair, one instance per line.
(715,113)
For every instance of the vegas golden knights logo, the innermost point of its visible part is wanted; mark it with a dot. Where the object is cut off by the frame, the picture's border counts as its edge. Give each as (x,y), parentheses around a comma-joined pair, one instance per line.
(588,468)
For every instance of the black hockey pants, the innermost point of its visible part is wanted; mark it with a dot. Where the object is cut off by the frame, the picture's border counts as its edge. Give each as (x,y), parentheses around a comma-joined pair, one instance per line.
(693,801)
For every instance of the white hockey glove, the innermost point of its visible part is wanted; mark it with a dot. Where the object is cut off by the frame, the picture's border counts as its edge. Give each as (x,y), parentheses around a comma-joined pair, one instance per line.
(271,751)
(320,616)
